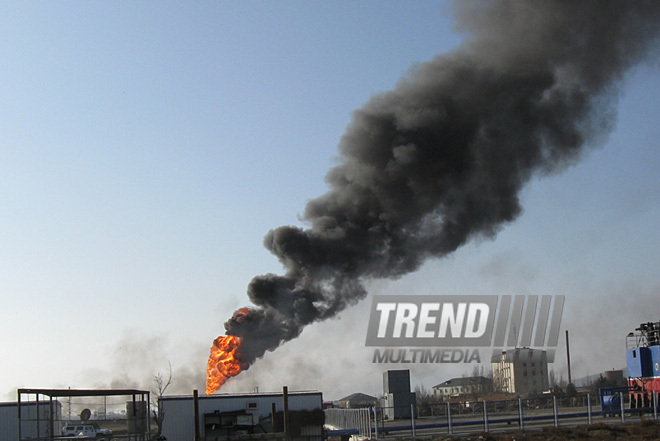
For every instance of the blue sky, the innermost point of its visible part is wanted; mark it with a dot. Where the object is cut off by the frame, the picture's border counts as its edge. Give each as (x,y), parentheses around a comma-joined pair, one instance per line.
(147,147)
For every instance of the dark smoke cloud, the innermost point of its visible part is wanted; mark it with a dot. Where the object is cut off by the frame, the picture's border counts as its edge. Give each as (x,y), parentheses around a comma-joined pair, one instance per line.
(442,158)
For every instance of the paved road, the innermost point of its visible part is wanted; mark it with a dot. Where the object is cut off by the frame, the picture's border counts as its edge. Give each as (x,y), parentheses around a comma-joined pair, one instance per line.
(497,422)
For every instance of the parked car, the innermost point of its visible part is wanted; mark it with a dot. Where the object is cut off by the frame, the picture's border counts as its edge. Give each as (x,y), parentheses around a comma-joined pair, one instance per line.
(86,431)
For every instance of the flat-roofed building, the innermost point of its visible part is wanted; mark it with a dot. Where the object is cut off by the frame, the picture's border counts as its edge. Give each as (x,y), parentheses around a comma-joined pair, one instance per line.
(521,371)
(457,387)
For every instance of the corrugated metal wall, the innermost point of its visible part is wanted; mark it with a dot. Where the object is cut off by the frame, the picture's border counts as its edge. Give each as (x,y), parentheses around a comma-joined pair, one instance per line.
(9,420)
(179,421)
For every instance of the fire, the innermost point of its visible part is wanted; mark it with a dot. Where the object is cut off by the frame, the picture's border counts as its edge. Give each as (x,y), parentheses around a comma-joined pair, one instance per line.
(222,363)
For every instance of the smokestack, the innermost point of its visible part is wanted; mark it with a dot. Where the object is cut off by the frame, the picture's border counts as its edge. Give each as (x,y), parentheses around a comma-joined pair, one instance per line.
(441,159)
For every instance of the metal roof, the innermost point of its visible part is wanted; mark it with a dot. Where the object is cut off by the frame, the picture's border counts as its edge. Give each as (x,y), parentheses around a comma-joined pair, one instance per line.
(236,395)
(463,381)
(358,397)
(83,392)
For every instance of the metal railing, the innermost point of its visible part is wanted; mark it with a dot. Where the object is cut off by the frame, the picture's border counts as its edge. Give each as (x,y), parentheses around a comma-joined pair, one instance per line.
(485,416)
(356,419)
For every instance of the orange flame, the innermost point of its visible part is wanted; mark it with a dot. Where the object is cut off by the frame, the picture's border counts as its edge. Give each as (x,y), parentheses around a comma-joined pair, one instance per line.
(222,362)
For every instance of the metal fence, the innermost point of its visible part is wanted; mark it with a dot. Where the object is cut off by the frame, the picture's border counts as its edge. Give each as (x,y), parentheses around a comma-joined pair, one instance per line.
(359,420)
(486,416)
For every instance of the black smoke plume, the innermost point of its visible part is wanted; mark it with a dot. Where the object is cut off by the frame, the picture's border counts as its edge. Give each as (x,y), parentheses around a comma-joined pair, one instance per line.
(442,158)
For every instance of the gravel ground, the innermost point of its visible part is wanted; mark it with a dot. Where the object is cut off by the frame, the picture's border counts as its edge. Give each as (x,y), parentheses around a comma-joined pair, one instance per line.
(646,430)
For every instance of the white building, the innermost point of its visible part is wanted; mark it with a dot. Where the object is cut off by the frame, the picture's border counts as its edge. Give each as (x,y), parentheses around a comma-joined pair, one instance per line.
(229,415)
(521,371)
(462,386)
(41,419)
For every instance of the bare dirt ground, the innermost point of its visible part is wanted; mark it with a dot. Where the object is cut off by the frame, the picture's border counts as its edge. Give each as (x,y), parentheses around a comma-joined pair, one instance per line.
(645,430)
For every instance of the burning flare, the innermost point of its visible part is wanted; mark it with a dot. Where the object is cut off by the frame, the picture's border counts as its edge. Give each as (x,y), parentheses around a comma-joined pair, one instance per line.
(222,363)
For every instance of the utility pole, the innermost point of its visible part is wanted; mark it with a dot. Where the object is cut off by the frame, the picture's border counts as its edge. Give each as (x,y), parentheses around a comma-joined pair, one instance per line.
(568,359)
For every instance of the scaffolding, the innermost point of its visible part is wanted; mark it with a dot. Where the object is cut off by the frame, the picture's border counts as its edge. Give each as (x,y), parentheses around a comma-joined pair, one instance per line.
(118,414)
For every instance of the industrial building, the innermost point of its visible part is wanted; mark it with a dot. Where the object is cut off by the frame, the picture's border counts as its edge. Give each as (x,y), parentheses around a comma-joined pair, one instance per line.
(643,361)
(398,401)
(38,420)
(357,401)
(461,386)
(520,371)
(299,415)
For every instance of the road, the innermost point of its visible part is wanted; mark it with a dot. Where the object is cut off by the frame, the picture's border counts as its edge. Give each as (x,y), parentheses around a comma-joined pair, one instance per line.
(468,423)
